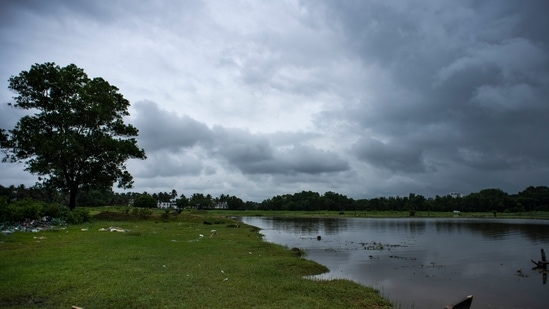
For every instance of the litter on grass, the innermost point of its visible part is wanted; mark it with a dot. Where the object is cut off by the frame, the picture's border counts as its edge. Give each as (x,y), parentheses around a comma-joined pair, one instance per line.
(113,229)
(34,226)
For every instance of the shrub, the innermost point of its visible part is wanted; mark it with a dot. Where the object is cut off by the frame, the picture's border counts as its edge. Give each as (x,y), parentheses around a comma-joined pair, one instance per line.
(166,215)
(55,210)
(3,201)
(78,216)
(28,209)
(8,213)
(20,211)
(145,212)
(145,201)
(5,209)
(126,210)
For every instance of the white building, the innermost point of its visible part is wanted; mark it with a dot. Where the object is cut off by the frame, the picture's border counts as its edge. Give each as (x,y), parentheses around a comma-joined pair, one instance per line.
(167,205)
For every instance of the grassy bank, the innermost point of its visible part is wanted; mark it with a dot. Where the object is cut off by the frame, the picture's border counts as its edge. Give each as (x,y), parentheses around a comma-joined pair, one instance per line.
(173,263)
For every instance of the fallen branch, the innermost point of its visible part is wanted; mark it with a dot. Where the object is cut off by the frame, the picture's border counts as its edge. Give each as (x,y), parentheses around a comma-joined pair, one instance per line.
(541,264)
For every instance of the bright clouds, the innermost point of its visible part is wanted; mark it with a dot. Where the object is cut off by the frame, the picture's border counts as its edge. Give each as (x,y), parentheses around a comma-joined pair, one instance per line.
(259,98)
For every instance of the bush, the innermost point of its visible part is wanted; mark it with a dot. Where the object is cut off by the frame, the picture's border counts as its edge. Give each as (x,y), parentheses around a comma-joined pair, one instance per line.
(145,212)
(126,210)
(166,215)
(78,216)
(28,209)
(20,211)
(145,201)
(55,210)
(4,209)
(141,212)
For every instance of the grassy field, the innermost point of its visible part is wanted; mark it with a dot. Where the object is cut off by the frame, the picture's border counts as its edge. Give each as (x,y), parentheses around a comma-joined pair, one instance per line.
(175,262)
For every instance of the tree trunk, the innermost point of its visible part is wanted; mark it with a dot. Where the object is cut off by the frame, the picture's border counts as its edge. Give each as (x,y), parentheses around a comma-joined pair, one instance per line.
(72,197)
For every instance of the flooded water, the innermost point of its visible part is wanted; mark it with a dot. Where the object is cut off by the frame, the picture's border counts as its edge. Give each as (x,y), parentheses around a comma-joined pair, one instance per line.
(426,263)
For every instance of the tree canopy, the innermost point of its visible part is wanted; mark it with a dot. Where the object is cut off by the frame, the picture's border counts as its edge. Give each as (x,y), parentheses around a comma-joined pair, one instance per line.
(74,137)
(145,201)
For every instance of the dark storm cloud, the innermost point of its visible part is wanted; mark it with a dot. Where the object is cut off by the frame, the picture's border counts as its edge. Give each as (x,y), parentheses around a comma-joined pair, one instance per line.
(477,69)
(396,158)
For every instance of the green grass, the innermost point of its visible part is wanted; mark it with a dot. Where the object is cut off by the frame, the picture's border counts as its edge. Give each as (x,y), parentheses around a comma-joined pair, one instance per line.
(165,264)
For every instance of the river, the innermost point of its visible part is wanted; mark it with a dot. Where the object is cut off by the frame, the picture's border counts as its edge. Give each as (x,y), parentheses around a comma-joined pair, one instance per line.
(425,263)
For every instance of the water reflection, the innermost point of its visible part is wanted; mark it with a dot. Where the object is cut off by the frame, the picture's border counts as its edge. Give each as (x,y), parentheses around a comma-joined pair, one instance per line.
(425,263)
(309,226)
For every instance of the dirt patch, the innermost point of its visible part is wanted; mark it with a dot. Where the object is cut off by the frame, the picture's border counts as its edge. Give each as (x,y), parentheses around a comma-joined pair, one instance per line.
(26,300)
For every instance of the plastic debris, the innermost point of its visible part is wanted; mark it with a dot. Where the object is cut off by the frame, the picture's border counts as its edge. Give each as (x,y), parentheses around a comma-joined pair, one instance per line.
(113,229)
(35,226)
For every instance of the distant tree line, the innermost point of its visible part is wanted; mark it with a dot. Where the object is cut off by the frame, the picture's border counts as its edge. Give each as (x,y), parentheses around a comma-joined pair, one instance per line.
(487,200)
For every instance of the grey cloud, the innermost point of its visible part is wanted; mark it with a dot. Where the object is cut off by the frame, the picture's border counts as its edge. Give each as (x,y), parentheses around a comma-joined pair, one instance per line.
(168,164)
(475,69)
(9,116)
(284,138)
(366,98)
(160,129)
(295,55)
(391,155)
(17,11)
(517,60)
(253,154)
(311,160)
(250,153)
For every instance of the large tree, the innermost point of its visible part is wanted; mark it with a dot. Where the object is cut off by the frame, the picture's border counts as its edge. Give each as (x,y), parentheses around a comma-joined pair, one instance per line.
(74,137)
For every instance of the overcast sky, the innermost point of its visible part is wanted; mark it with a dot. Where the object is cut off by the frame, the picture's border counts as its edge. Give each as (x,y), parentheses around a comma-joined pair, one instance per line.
(261,98)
